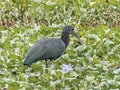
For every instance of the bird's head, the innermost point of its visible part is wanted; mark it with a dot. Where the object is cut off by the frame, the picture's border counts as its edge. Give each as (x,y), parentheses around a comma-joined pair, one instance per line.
(70,30)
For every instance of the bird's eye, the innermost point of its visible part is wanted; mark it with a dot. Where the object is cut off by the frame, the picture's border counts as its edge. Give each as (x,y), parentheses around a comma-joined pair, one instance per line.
(68,29)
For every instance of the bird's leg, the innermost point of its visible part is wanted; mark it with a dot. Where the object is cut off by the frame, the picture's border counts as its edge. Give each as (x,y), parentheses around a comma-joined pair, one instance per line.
(49,63)
(46,63)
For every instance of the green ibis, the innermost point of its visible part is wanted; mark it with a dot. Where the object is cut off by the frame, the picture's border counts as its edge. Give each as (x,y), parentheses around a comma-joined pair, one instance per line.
(50,48)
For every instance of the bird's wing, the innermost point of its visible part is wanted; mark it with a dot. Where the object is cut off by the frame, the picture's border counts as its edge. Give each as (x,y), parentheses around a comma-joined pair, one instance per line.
(56,48)
(45,49)
(35,53)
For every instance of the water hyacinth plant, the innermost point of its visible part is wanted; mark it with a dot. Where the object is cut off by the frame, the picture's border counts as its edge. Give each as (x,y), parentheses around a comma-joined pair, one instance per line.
(95,67)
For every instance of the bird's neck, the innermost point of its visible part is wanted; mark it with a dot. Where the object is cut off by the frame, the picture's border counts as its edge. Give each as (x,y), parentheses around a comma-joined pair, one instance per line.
(65,38)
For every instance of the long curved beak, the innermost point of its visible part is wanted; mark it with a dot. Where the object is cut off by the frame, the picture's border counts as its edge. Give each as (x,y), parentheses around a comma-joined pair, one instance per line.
(75,34)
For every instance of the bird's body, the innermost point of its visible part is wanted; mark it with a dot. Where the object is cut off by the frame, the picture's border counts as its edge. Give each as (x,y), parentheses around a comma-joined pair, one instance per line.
(49,48)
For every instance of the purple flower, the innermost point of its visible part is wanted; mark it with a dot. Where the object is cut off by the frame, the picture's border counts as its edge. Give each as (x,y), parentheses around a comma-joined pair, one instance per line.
(66,68)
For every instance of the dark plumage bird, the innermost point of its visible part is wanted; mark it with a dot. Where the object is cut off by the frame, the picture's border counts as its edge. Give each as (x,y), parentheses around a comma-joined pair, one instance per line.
(50,48)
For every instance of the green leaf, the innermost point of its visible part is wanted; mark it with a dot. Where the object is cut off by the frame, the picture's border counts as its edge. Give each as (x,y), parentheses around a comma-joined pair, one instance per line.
(58,73)
(13,56)
(100,30)
(13,86)
(1,28)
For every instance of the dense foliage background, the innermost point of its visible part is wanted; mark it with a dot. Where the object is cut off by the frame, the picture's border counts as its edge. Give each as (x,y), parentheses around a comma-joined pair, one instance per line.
(95,67)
